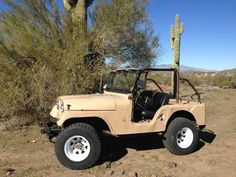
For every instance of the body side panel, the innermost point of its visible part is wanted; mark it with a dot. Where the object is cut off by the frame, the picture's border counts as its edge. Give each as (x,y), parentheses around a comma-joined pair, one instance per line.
(160,120)
(120,120)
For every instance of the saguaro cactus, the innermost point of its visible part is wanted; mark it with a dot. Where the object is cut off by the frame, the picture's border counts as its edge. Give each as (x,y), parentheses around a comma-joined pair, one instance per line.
(175,39)
(78,9)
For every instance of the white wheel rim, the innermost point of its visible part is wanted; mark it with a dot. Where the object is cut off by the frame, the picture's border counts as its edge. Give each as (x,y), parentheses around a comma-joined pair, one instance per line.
(184,137)
(77,148)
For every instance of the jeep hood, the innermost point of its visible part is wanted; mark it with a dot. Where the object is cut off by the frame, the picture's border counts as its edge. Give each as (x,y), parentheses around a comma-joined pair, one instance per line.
(95,102)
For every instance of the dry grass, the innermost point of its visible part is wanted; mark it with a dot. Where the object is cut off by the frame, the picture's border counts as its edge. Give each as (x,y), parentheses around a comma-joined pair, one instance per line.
(30,154)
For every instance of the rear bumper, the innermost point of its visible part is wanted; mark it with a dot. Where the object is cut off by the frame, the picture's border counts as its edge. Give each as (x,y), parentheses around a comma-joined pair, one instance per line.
(51,129)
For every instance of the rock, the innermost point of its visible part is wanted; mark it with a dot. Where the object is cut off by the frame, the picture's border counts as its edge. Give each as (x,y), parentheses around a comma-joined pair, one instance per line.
(120,163)
(172,165)
(34,141)
(112,173)
(107,165)
(9,171)
(153,176)
(133,174)
(109,173)
(121,172)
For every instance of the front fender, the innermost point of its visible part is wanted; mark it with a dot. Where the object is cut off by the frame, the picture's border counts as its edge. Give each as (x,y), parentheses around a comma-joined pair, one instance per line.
(104,115)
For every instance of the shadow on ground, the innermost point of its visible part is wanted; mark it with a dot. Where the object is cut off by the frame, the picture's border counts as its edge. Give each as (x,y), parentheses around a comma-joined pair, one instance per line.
(205,136)
(116,148)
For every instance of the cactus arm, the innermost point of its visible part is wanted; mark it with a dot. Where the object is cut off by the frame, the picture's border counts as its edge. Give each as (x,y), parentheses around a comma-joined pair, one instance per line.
(182,28)
(172,36)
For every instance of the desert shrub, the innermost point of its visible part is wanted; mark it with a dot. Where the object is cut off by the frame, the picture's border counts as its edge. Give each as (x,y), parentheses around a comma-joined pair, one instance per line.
(196,81)
(41,58)
(233,81)
(223,81)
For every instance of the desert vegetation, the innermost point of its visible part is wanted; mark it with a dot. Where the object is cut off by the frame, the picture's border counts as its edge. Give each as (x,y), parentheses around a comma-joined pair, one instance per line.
(27,153)
(223,79)
(42,53)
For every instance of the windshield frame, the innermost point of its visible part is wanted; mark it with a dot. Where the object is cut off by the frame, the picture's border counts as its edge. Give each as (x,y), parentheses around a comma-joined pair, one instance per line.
(146,71)
(110,83)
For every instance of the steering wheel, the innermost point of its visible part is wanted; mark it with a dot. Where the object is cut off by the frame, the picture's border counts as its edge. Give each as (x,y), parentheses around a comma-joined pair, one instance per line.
(147,100)
(138,96)
(141,100)
(157,85)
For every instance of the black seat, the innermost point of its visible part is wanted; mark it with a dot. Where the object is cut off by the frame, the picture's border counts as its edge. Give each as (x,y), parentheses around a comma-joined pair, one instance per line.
(159,99)
(146,114)
(142,99)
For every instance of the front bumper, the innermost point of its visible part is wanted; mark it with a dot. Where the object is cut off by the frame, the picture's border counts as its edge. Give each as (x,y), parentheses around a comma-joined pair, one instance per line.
(51,129)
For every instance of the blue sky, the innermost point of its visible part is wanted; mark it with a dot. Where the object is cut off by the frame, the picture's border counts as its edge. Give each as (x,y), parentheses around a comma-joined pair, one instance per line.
(209,40)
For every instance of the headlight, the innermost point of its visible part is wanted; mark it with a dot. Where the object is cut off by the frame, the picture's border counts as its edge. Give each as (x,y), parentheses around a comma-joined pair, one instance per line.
(60,106)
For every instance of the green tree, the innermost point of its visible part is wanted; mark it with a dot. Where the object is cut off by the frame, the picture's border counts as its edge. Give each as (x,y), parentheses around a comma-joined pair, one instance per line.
(40,59)
(122,32)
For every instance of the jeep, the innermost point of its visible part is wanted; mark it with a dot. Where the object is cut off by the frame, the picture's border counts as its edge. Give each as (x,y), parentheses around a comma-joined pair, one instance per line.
(133,101)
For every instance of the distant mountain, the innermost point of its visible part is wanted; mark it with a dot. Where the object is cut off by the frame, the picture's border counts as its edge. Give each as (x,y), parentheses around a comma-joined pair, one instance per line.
(233,70)
(184,68)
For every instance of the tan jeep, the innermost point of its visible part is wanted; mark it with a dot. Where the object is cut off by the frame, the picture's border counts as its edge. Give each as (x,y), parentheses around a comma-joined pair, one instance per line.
(134,101)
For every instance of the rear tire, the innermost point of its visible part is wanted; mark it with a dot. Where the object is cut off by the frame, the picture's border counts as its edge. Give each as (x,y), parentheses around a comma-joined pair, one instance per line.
(78,146)
(181,136)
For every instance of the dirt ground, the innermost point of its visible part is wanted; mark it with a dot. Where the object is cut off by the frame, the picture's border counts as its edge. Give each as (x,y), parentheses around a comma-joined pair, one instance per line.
(27,153)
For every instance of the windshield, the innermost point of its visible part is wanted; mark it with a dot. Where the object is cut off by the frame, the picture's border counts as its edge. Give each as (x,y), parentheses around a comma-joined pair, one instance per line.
(121,81)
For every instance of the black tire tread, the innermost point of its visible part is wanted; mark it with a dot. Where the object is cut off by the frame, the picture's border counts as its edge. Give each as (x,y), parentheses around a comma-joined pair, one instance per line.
(84,127)
(168,141)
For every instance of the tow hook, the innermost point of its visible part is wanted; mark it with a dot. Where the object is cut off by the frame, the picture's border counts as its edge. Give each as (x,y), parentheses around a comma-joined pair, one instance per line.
(51,129)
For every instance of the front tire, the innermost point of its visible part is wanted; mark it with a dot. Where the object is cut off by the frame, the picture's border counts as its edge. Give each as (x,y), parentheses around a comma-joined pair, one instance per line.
(181,136)
(78,146)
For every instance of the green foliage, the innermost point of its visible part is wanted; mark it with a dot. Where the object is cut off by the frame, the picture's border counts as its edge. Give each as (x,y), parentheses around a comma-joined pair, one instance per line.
(41,59)
(224,81)
(221,80)
(122,32)
(195,80)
